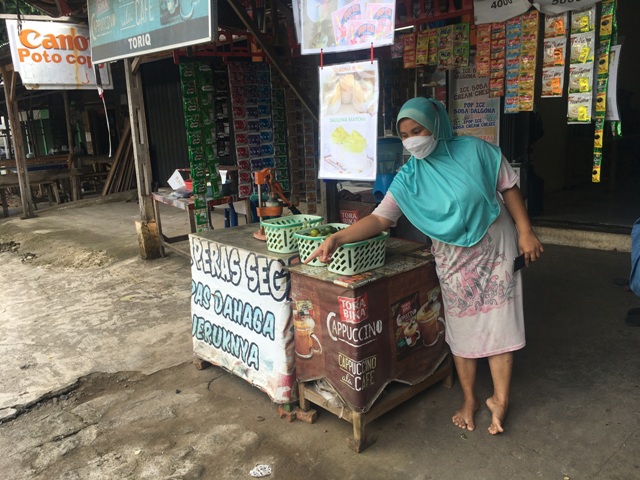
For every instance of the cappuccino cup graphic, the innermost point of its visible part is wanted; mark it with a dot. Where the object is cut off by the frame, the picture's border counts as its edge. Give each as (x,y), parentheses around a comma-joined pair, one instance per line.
(304,338)
(430,322)
(411,333)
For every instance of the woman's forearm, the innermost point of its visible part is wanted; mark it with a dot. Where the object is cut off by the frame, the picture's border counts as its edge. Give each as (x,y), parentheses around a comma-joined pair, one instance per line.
(515,204)
(528,242)
(361,230)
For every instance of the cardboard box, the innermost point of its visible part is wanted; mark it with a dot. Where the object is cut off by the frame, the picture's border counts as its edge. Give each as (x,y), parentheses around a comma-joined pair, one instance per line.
(361,332)
(351,212)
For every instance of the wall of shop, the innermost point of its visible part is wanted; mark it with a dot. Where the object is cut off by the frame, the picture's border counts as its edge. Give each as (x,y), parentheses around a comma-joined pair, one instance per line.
(165,119)
(563,157)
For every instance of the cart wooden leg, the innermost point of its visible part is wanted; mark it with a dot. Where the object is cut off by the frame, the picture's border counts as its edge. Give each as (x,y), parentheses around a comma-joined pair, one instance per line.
(304,403)
(358,443)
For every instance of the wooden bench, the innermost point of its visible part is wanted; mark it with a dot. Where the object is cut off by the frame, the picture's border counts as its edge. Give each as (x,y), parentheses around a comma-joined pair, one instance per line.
(46,178)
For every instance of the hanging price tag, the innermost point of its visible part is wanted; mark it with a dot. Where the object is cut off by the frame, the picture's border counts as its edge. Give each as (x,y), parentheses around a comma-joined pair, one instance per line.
(553,7)
(488,11)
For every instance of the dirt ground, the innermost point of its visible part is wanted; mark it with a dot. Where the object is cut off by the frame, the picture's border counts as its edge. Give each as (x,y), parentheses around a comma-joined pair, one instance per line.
(98,380)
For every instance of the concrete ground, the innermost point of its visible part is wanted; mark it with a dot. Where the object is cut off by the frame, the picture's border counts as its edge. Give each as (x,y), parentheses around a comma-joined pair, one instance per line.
(97,380)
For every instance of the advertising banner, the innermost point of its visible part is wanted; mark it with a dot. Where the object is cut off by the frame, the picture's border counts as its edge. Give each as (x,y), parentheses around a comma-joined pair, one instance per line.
(339,25)
(241,313)
(349,121)
(123,29)
(473,112)
(361,332)
(54,56)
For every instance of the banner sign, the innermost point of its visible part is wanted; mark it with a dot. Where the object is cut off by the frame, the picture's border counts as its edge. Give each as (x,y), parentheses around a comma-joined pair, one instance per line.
(496,11)
(54,56)
(123,29)
(241,314)
(473,112)
(349,121)
(553,7)
(339,26)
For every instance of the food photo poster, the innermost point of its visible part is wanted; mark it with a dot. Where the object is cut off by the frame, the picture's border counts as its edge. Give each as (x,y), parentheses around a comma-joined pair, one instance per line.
(348,120)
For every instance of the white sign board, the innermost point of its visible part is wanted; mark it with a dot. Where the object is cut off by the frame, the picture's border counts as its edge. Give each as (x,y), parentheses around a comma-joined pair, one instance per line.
(349,95)
(553,7)
(54,56)
(490,11)
(340,26)
(241,315)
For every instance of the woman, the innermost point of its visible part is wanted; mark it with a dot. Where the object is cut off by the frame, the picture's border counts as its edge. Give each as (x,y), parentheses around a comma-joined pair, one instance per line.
(449,190)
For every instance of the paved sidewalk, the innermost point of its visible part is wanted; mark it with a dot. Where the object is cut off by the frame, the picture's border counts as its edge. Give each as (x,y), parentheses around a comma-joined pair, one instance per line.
(97,372)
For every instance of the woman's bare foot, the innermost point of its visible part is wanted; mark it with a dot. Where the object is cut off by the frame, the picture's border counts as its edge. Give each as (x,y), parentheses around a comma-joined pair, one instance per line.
(463,418)
(498,412)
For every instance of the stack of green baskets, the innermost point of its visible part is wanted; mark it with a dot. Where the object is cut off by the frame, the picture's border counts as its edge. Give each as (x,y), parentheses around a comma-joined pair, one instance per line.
(280,231)
(350,258)
(307,243)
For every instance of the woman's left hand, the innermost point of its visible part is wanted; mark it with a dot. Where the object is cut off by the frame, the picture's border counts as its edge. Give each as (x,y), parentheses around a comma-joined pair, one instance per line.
(530,246)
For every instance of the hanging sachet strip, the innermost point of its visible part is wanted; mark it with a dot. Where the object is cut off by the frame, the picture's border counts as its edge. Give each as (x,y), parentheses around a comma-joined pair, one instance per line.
(607,33)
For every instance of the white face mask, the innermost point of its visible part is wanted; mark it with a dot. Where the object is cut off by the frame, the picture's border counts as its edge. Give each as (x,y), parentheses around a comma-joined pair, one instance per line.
(420,146)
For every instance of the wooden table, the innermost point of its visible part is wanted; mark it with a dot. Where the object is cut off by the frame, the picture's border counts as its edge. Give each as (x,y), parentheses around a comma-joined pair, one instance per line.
(187,205)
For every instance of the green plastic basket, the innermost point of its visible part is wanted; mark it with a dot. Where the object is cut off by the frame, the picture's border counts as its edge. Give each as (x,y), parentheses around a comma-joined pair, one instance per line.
(279,231)
(350,258)
(308,244)
(358,257)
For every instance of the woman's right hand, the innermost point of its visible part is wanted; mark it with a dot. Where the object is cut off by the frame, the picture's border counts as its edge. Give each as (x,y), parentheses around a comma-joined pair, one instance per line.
(364,228)
(325,250)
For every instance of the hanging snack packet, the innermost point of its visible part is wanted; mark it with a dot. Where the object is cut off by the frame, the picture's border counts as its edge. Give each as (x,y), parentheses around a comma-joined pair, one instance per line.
(554,52)
(601,96)
(583,21)
(582,48)
(607,19)
(422,48)
(530,22)
(555,25)
(552,82)
(580,79)
(579,110)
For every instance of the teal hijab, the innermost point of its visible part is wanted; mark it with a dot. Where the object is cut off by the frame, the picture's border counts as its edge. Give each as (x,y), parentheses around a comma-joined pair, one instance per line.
(451,194)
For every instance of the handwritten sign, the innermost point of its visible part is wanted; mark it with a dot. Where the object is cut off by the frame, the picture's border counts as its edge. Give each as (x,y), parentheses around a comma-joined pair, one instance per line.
(240,315)
(472,111)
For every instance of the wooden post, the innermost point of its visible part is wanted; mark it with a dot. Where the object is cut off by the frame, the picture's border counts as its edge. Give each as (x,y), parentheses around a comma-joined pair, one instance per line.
(67,118)
(148,243)
(142,158)
(9,79)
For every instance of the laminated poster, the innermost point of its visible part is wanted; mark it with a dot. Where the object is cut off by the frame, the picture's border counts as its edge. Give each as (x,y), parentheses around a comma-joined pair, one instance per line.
(473,112)
(612,98)
(348,121)
(339,26)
